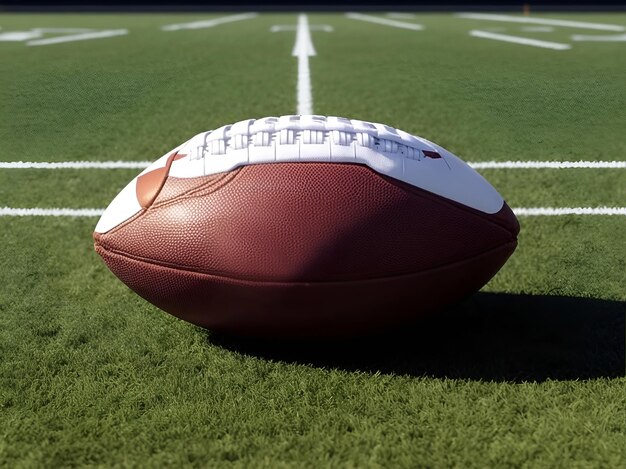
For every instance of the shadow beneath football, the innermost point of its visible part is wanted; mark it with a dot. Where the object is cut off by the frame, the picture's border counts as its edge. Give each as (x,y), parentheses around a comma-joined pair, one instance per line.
(491,336)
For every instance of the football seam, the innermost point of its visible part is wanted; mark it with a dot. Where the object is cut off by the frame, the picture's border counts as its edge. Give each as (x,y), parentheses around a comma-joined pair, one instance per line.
(511,244)
(487,217)
(225,178)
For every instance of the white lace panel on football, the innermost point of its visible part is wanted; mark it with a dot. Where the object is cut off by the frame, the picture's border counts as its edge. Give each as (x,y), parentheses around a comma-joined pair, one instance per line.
(308,138)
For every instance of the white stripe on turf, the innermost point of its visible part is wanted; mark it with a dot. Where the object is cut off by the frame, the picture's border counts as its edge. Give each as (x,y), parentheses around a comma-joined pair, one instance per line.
(519,211)
(545,21)
(50,212)
(76,165)
(475,165)
(548,164)
(559,211)
(303,49)
(208,23)
(384,21)
(78,37)
(520,40)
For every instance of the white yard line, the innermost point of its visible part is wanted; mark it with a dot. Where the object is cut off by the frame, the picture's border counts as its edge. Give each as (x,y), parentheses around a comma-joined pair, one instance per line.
(208,23)
(78,37)
(611,38)
(560,211)
(520,40)
(303,49)
(277,28)
(519,211)
(385,21)
(475,165)
(548,164)
(19,36)
(50,212)
(75,165)
(544,21)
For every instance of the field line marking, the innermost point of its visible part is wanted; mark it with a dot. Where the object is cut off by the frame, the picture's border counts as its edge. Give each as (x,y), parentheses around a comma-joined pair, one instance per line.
(560,211)
(303,49)
(78,37)
(19,36)
(474,164)
(385,21)
(75,165)
(544,21)
(519,40)
(208,23)
(519,211)
(50,212)
(548,164)
(290,27)
(611,38)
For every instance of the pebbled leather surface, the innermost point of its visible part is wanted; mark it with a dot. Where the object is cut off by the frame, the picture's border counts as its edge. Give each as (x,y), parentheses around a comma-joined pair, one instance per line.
(306,222)
(326,309)
(305,249)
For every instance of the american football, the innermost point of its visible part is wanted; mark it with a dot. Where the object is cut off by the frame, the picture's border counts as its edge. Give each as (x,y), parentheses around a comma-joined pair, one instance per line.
(274,286)
(306,225)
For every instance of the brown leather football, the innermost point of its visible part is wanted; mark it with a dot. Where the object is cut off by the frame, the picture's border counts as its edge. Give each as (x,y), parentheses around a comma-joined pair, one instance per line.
(306,226)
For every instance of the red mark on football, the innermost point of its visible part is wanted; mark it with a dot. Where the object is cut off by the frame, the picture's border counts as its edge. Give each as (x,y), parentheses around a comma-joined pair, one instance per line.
(149,184)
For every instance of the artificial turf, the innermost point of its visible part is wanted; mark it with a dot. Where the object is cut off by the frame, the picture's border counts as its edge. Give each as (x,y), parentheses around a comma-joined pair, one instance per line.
(527,373)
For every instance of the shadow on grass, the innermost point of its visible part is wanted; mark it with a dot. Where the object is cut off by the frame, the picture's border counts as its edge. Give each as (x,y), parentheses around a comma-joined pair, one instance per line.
(491,336)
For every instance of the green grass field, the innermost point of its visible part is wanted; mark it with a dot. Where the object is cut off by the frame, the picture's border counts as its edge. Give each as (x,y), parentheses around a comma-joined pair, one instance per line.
(527,373)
